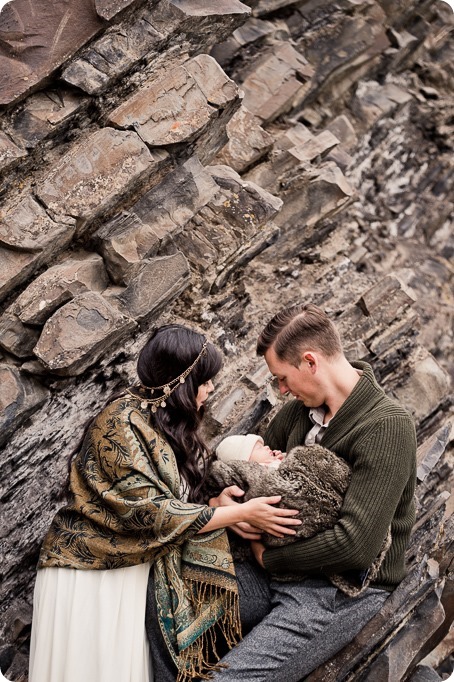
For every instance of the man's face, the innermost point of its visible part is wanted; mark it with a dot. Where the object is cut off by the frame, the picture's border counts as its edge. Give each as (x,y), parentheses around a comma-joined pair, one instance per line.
(301,382)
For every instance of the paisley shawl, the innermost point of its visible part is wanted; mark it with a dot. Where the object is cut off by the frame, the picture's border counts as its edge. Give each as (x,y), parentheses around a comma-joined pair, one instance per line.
(125,510)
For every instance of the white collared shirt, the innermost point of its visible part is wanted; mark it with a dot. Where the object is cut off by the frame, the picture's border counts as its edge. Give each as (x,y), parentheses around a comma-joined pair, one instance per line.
(316,415)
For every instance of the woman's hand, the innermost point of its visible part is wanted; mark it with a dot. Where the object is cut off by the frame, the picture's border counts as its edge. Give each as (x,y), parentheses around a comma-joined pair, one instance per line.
(243,529)
(249,519)
(260,513)
(226,497)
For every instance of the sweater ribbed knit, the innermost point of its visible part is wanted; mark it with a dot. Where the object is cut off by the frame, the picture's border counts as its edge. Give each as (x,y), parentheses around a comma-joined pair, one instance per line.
(376,436)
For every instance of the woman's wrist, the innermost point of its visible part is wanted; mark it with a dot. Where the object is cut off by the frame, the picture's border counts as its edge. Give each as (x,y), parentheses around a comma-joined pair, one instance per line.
(224,517)
(232,514)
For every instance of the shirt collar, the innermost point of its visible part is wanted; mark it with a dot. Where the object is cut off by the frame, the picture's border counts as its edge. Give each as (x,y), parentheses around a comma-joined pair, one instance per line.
(317,415)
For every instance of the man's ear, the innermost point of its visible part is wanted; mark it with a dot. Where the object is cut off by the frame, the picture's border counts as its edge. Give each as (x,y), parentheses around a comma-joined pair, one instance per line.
(311,360)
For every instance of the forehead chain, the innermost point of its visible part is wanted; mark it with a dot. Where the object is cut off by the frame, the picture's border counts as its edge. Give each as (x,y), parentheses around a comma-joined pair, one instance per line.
(167,388)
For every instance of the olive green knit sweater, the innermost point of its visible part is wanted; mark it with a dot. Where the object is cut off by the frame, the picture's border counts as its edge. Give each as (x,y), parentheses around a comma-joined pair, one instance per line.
(377,438)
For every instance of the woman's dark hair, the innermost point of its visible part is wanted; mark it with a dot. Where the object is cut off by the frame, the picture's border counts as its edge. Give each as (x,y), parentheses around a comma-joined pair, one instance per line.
(170,350)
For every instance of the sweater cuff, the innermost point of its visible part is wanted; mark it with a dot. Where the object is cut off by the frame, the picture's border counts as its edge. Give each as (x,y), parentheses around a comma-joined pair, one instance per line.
(276,560)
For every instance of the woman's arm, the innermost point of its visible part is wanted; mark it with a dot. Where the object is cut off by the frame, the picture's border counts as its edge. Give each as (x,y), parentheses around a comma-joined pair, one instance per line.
(258,512)
(135,488)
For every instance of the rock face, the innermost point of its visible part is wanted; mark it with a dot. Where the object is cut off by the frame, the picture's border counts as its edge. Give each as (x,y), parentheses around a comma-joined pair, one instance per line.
(20,397)
(27,58)
(208,162)
(279,78)
(94,175)
(29,240)
(79,333)
(179,105)
(60,284)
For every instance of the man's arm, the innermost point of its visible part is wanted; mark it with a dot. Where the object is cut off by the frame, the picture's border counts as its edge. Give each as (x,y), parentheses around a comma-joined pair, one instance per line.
(384,464)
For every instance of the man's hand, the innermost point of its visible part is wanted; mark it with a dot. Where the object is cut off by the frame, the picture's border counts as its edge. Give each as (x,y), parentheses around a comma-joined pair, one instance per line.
(246,531)
(257,549)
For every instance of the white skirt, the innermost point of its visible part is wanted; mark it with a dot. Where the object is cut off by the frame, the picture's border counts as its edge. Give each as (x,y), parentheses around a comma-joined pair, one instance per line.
(90,626)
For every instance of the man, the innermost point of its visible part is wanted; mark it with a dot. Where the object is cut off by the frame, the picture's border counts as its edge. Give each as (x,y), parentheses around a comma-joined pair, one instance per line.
(339,405)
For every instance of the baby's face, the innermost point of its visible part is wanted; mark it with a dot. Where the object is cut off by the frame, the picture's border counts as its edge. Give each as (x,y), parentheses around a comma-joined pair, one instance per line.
(263,454)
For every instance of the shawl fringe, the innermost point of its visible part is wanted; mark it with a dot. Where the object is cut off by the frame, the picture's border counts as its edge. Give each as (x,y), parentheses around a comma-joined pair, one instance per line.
(201,658)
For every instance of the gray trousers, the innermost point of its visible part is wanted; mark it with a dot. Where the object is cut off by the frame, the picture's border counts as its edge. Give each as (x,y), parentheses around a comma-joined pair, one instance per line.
(309,622)
(295,627)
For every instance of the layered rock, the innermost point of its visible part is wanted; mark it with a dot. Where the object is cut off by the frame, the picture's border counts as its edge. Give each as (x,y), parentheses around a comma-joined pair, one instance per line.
(181,105)
(20,398)
(29,239)
(79,333)
(99,172)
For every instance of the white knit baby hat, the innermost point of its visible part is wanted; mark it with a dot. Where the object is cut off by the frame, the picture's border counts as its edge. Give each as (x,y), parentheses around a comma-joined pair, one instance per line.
(237,447)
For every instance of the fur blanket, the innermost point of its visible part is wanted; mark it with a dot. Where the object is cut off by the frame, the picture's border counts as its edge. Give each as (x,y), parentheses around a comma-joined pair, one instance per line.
(311,479)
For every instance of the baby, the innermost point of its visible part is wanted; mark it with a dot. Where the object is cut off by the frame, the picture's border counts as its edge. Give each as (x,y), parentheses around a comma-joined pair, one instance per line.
(250,448)
(309,478)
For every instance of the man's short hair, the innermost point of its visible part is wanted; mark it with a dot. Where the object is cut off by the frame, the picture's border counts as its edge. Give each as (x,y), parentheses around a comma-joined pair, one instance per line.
(299,328)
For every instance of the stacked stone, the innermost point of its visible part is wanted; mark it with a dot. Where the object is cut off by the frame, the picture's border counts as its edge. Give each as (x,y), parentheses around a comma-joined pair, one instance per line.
(208,163)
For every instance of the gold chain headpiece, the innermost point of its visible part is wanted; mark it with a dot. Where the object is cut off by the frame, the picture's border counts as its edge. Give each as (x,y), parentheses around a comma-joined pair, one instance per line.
(167,388)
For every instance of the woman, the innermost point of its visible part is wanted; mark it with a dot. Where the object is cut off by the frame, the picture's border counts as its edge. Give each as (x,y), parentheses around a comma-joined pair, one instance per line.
(136,502)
